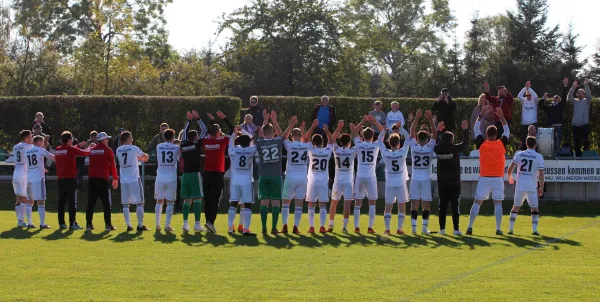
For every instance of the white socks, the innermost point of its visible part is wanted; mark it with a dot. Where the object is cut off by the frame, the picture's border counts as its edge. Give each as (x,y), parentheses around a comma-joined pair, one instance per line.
(297,216)
(169,214)
(473,214)
(28,209)
(285,213)
(498,213)
(42,212)
(322,216)
(19,211)
(371,216)
(401,217)
(356,216)
(231,216)
(387,218)
(331,222)
(242,216)
(158,212)
(346,223)
(139,212)
(127,215)
(311,217)
(248,213)
(535,218)
(513,219)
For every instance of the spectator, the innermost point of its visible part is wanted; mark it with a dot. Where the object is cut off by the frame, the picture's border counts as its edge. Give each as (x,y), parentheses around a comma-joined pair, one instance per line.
(93,139)
(394,116)
(581,116)
(555,112)
(116,142)
(445,108)
(504,100)
(37,130)
(325,114)
(102,166)
(255,111)
(248,127)
(379,116)
(39,119)
(529,106)
(157,139)
(486,112)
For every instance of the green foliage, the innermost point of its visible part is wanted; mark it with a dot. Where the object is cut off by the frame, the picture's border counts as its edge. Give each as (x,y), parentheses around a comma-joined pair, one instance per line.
(81,114)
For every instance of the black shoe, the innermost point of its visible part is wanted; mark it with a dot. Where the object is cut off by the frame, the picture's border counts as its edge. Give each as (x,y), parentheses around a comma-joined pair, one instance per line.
(89,227)
(499,233)
(264,231)
(75,227)
(142,228)
(129,229)
(249,234)
(469,231)
(110,227)
(274,232)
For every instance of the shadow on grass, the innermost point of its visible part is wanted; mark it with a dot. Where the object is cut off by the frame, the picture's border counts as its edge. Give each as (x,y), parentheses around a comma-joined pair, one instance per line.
(18,233)
(216,239)
(192,239)
(164,237)
(89,236)
(127,236)
(58,235)
(240,240)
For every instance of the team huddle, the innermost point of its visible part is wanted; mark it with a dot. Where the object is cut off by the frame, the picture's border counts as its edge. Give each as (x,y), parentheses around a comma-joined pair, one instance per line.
(306,174)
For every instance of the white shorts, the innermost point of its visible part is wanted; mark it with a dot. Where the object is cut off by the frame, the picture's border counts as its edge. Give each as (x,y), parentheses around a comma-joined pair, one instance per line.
(132,193)
(36,190)
(396,194)
(317,192)
(487,185)
(531,196)
(365,186)
(342,189)
(294,188)
(20,187)
(420,190)
(241,193)
(165,190)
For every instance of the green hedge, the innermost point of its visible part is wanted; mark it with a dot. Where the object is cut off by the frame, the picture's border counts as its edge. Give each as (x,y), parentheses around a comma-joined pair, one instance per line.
(351,109)
(80,114)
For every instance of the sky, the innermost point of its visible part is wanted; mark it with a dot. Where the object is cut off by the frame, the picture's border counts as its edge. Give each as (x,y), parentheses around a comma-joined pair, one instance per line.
(193,23)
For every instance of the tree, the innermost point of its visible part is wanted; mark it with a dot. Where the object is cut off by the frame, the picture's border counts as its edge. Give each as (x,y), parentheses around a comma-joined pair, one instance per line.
(570,51)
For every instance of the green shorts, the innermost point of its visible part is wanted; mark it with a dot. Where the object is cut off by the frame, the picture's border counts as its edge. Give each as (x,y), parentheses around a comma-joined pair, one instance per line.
(270,187)
(191,186)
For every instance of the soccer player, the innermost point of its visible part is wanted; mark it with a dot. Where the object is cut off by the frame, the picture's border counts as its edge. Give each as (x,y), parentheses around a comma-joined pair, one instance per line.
(36,183)
(343,184)
(530,170)
(365,184)
(102,165)
(491,161)
(296,174)
(165,186)
(191,180)
(132,189)
(395,176)
(318,175)
(270,185)
(420,183)
(19,180)
(242,159)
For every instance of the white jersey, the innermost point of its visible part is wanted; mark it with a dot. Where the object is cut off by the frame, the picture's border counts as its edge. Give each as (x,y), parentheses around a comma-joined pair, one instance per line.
(20,160)
(421,159)
(319,164)
(344,164)
(36,157)
(297,159)
(528,163)
(393,117)
(127,155)
(167,156)
(242,160)
(367,153)
(395,163)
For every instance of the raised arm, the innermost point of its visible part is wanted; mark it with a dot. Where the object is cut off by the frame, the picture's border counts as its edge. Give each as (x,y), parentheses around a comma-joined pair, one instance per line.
(309,134)
(374,121)
(275,123)
(328,134)
(521,95)
(303,131)
(338,131)
(402,131)
(570,96)
(413,126)
(187,126)
(288,131)
(265,117)
(203,129)
(362,123)
(588,92)
(227,121)
(434,132)
(565,90)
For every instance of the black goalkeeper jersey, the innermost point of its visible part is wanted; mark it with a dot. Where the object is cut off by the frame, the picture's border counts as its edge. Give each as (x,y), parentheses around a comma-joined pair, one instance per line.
(191,151)
(448,160)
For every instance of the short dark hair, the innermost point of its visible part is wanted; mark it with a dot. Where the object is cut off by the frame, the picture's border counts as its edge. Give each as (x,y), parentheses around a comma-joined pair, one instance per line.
(25,133)
(164,125)
(213,129)
(192,134)
(317,140)
(394,140)
(296,131)
(268,128)
(38,138)
(94,133)
(448,137)
(531,142)
(243,140)
(65,137)
(345,139)
(491,131)
(125,135)
(422,136)
(368,133)
(169,134)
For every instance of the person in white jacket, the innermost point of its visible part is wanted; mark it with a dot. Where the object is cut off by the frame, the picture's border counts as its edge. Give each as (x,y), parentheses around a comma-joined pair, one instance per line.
(529,107)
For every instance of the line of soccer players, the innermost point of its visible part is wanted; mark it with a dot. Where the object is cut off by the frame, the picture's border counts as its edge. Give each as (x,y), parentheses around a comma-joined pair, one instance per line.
(306,175)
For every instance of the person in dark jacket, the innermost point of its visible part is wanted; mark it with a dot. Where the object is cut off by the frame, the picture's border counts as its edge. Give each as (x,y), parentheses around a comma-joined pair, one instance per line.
(555,112)
(39,119)
(325,114)
(445,108)
(504,100)
(256,111)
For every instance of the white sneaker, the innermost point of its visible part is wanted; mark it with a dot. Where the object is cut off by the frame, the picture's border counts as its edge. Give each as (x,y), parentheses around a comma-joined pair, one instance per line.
(458,233)
(425,232)
(442,232)
(21,224)
(186,227)
(199,228)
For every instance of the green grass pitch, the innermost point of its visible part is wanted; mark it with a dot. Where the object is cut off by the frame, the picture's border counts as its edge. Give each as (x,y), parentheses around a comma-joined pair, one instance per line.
(51,265)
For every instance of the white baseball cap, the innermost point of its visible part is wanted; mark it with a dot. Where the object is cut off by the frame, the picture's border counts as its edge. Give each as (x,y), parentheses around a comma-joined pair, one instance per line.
(102,136)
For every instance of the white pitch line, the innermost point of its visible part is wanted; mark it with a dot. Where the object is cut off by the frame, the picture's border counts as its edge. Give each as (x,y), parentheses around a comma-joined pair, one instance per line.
(501,261)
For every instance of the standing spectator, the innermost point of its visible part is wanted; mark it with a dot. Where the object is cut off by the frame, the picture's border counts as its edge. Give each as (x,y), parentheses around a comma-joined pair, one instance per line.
(504,100)
(379,117)
(255,111)
(555,112)
(66,172)
(485,112)
(93,139)
(39,120)
(581,116)
(157,139)
(445,108)
(325,114)
(37,131)
(102,165)
(529,106)
(248,127)
(394,116)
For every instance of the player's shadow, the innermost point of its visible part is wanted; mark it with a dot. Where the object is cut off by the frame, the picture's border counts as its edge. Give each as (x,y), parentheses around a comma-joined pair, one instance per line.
(306,240)
(216,239)
(443,241)
(358,239)
(127,236)
(413,241)
(331,239)
(279,242)
(240,240)
(164,237)
(18,233)
(191,239)
(58,235)
(555,242)
(89,236)
(472,242)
